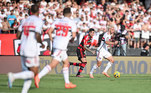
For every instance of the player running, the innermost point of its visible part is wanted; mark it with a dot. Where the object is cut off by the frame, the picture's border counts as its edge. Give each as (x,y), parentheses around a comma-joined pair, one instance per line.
(30,32)
(84,45)
(102,51)
(65,27)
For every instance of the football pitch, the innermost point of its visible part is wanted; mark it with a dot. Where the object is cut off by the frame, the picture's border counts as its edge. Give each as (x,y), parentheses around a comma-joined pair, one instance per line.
(100,84)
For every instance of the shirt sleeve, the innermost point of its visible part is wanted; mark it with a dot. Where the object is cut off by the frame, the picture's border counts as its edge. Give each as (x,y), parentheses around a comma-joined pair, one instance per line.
(39,26)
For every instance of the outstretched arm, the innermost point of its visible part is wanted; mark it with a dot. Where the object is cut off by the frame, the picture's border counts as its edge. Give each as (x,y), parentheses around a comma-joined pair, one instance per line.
(93,52)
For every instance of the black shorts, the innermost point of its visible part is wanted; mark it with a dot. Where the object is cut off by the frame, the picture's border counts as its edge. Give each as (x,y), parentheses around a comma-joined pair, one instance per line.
(80,54)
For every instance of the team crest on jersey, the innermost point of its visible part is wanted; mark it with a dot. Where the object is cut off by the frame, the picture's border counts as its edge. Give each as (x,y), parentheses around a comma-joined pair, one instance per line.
(89,41)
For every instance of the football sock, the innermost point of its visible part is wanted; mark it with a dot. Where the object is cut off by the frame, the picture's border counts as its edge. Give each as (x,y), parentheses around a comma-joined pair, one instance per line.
(93,68)
(75,64)
(24,75)
(44,71)
(26,86)
(81,67)
(66,74)
(107,67)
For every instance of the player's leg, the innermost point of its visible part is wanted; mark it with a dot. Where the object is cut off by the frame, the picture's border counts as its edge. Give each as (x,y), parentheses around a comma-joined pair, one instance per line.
(75,64)
(45,71)
(27,74)
(99,62)
(55,60)
(81,57)
(109,64)
(94,68)
(27,82)
(78,51)
(26,85)
(83,64)
(68,84)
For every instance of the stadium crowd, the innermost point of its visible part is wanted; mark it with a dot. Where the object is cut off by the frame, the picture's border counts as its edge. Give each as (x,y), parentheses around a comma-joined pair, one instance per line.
(130,19)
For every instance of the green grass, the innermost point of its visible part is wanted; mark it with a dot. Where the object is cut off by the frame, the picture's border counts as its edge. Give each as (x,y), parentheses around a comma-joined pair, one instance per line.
(100,84)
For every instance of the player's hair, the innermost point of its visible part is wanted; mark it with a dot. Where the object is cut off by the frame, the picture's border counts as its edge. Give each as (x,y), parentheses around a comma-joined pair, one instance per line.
(34,8)
(91,29)
(66,11)
(110,26)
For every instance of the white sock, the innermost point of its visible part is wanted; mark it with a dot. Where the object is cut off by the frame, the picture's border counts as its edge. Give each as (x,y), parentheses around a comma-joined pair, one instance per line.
(26,86)
(93,68)
(66,74)
(107,67)
(44,71)
(24,75)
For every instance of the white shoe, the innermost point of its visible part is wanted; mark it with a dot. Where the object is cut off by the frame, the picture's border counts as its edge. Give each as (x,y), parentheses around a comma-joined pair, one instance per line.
(10,79)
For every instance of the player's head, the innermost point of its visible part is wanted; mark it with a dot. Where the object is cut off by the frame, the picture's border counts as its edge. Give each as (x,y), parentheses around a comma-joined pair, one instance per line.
(91,32)
(35,9)
(67,12)
(111,29)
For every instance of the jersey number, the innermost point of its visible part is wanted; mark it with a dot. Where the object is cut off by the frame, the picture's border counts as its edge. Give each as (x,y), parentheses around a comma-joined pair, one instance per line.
(28,27)
(62,30)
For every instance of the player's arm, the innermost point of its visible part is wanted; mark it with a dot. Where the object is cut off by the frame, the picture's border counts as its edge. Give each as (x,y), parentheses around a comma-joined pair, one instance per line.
(18,35)
(50,33)
(93,52)
(74,31)
(38,37)
(85,46)
(38,32)
(73,36)
(108,42)
(111,43)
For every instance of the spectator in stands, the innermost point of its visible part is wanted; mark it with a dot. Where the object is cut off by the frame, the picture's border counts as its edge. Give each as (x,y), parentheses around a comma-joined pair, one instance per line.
(5,26)
(123,41)
(46,26)
(20,17)
(145,34)
(2,14)
(47,52)
(83,29)
(129,28)
(15,26)
(11,18)
(137,29)
(145,50)
(0,27)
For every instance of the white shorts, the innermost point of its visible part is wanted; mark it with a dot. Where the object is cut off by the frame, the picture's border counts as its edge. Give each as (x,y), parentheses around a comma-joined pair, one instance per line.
(30,61)
(102,53)
(59,55)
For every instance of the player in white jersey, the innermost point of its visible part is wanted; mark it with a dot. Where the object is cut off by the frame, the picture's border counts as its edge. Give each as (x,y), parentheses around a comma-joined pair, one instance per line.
(65,27)
(30,32)
(102,51)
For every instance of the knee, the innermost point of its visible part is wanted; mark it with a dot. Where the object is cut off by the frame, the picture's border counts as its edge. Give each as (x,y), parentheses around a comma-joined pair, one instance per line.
(98,64)
(111,60)
(84,64)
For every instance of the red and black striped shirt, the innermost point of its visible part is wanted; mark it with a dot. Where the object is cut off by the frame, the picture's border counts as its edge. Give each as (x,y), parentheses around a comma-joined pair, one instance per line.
(85,41)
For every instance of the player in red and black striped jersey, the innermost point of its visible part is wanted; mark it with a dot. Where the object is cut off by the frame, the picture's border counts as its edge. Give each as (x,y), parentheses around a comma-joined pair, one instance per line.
(84,45)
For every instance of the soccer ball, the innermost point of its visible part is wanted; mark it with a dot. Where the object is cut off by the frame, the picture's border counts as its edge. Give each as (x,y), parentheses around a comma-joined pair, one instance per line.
(116,74)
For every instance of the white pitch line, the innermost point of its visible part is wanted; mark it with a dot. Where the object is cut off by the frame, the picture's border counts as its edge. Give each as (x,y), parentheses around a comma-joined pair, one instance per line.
(8,92)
